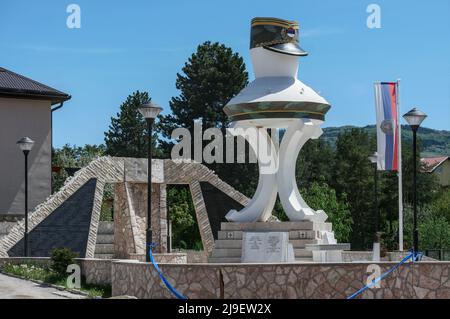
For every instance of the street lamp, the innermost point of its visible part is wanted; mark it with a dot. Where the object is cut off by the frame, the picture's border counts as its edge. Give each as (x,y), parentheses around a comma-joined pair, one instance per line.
(374,160)
(414,119)
(26,144)
(149,111)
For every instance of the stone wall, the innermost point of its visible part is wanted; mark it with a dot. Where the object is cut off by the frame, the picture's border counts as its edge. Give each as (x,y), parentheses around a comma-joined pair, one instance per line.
(130,218)
(41,261)
(299,281)
(5,227)
(103,169)
(67,227)
(196,256)
(96,271)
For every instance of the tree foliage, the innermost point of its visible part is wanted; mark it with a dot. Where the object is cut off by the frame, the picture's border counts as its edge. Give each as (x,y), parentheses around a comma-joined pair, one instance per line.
(321,196)
(185,232)
(68,159)
(127,134)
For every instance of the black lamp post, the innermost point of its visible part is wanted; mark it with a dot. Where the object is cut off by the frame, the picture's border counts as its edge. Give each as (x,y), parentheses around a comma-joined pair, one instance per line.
(149,111)
(414,119)
(26,144)
(374,160)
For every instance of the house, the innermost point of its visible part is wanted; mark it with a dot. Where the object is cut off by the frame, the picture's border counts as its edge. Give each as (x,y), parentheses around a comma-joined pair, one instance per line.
(26,108)
(439,166)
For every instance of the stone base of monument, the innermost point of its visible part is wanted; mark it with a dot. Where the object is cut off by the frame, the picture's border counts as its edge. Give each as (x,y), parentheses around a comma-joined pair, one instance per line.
(261,242)
(327,252)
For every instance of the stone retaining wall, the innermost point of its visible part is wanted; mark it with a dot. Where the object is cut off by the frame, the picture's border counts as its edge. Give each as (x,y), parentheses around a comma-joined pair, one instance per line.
(96,271)
(299,281)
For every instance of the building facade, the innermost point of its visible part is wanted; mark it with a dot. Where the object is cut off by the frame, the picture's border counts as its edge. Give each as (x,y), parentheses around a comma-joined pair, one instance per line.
(438,166)
(26,108)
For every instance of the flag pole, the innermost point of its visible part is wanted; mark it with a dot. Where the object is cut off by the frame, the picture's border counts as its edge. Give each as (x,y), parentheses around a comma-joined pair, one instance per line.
(400,183)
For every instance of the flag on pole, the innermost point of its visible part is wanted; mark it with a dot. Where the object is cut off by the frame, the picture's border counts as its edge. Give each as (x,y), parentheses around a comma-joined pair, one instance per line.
(387,126)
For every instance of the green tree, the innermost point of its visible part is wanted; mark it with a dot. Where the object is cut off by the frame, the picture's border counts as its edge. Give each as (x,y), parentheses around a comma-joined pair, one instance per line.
(441,205)
(68,159)
(127,134)
(353,177)
(432,228)
(185,232)
(209,79)
(315,163)
(434,233)
(427,186)
(321,196)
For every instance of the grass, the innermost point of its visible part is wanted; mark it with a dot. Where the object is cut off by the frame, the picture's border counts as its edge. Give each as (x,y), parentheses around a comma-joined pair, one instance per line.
(47,275)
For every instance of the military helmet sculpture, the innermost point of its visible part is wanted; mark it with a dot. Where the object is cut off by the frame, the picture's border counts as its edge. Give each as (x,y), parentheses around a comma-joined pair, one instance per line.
(276,99)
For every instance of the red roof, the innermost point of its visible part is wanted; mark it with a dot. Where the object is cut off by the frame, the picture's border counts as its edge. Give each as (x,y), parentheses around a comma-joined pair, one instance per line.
(431,163)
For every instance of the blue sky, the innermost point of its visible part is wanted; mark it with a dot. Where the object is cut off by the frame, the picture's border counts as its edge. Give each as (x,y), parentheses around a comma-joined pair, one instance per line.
(124,46)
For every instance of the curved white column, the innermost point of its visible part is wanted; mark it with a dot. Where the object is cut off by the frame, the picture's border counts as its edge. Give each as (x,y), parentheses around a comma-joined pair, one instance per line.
(296,135)
(261,205)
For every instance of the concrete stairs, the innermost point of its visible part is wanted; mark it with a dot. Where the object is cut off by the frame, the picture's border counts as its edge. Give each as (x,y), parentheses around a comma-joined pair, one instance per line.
(228,246)
(104,246)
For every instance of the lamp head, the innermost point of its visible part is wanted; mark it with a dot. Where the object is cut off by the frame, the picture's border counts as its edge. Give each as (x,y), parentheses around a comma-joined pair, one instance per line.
(414,118)
(25,144)
(373,158)
(150,110)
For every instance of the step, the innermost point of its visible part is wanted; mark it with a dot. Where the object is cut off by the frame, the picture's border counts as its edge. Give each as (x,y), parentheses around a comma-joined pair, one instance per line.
(104,256)
(228,243)
(105,239)
(300,243)
(104,248)
(222,234)
(304,259)
(296,234)
(226,252)
(105,228)
(303,253)
(275,226)
(237,243)
(237,260)
(224,260)
(268,226)
(303,234)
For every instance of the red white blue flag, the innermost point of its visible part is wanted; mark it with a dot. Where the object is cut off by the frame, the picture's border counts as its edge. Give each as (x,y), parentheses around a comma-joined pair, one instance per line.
(387,126)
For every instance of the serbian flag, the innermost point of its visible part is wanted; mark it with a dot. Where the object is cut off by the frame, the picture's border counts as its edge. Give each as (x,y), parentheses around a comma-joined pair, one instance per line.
(387,125)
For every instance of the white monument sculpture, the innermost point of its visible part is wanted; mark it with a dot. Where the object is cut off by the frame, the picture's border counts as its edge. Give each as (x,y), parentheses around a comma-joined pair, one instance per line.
(276,99)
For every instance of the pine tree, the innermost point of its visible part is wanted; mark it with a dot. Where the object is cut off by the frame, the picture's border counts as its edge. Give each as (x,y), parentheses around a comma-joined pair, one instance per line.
(127,134)
(209,79)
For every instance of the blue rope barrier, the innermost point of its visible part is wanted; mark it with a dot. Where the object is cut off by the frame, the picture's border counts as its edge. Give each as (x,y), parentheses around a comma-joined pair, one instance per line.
(164,280)
(413,256)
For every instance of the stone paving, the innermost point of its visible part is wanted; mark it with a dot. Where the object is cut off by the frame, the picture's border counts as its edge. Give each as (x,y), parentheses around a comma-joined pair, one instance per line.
(14,288)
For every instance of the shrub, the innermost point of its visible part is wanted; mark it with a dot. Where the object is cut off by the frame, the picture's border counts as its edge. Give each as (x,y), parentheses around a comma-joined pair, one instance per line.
(61,258)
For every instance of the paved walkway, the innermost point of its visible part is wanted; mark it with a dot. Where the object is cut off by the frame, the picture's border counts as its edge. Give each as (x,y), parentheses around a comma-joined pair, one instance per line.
(14,288)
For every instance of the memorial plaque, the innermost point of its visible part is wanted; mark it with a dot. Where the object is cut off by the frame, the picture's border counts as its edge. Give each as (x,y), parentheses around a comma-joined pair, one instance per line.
(136,170)
(266,247)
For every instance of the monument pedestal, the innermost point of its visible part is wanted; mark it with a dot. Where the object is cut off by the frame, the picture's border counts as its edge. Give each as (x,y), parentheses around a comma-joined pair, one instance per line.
(233,237)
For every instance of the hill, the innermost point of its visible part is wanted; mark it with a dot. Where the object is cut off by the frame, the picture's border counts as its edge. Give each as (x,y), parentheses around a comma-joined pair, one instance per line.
(435,142)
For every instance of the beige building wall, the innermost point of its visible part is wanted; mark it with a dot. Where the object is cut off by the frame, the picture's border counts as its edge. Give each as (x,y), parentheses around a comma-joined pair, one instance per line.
(443,173)
(19,118)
